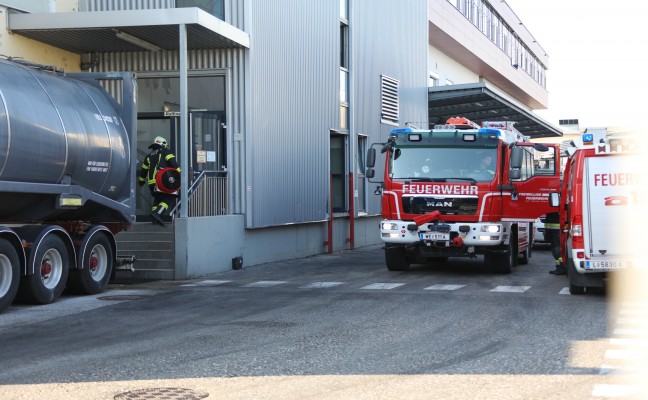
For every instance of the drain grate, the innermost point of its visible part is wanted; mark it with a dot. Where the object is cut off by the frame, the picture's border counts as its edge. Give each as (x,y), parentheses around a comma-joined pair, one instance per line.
(123,297)
(161,394)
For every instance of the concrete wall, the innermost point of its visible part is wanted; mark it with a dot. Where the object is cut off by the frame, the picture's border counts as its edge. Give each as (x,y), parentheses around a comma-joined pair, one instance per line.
(17,46)
(207,245)
(448,68)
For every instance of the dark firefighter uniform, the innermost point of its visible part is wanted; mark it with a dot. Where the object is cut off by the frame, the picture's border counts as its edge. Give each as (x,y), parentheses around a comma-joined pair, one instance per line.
(552,231)
(159,158)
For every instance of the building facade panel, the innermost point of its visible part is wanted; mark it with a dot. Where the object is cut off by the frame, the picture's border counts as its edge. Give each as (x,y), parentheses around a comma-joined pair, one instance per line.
(293,103)
(390,40)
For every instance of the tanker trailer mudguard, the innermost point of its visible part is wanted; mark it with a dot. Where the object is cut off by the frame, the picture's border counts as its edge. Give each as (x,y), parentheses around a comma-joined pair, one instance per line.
(67,151)
(462,190)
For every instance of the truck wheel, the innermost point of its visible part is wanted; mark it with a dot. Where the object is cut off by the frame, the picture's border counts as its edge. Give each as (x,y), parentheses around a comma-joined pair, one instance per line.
(95,266)
(52,264)
(576,290)
(524,256)
(9,274)
(396,259)
(502,263)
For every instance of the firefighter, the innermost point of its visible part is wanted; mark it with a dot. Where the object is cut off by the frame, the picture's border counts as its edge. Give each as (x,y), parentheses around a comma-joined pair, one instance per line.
(159,158)
(486,164)
(552,230)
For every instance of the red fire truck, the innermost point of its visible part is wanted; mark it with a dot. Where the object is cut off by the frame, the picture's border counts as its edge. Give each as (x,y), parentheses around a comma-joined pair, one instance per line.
(603,188)
(442,198)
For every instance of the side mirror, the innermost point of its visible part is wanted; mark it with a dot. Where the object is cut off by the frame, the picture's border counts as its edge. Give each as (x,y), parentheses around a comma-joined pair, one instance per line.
(515,173)
(370,173)
(516,158)
(554,199)
(371,159)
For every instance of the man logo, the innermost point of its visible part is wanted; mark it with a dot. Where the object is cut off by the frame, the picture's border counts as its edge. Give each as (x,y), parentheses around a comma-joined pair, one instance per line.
(438,203)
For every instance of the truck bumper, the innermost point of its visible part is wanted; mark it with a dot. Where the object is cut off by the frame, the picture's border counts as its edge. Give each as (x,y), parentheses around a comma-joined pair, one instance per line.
(598,265)
(440,236)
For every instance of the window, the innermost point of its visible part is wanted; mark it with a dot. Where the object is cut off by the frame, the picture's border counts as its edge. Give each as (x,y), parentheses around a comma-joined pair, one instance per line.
(344,45)
(360,175)
(389,108)
(344,74)
(536,163)
(338,169)
(214,7)
(344,10)
(433,79)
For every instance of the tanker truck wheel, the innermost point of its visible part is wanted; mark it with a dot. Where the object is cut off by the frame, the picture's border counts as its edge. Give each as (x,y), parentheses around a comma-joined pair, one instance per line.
(96,266)
(9,274)
(51,263)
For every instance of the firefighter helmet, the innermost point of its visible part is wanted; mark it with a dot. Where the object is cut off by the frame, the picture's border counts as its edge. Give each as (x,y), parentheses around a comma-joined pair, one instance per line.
(159,140)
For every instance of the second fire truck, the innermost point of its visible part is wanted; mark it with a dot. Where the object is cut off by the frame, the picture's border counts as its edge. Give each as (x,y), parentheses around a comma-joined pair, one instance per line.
(442,198)
(603,191)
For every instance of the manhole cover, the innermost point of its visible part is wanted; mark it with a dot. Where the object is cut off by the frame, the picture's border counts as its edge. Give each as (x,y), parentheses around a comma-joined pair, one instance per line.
(123,297)
(161,394)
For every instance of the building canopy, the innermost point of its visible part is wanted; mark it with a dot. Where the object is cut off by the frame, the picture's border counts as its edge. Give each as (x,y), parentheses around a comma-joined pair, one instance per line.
(128,30)
(481,102)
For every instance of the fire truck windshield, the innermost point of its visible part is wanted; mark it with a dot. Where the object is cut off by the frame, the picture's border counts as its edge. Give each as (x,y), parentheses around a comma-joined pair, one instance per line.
(443,163)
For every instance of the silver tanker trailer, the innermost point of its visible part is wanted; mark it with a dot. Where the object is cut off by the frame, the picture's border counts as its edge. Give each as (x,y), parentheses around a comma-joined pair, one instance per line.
(67,179)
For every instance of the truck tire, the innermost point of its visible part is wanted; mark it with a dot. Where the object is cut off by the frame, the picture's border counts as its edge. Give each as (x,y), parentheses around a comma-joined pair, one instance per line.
(574,289)
(52,263)
(95,266)
(396,259)
(524,256)
(503,262)
(9,274)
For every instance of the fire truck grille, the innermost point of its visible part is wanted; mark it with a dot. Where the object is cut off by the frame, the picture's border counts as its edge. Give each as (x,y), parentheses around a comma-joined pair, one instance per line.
(446,205)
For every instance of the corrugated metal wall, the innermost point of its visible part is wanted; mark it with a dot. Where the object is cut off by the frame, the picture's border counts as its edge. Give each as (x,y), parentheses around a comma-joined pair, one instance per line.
(294,101)
(114,5)
(388,38)
(281,110)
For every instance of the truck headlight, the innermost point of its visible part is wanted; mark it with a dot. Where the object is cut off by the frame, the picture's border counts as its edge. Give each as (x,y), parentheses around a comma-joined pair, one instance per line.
(389,226)
(490,228)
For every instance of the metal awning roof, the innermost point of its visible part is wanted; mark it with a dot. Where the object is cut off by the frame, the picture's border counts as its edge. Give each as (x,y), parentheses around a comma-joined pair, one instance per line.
(99,31)
(481,102)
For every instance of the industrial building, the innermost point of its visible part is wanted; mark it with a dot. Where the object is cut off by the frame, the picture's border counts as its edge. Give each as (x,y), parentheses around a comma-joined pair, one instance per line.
(270,106)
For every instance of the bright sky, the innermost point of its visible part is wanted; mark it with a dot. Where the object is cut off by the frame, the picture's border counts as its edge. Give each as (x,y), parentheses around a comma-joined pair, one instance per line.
(598,59)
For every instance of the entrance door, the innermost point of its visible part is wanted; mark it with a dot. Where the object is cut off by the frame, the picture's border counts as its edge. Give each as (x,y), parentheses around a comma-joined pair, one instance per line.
(206,132)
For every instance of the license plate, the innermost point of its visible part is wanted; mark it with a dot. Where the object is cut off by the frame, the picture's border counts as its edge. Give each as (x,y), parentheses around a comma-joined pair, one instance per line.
(607,265)
(434,236)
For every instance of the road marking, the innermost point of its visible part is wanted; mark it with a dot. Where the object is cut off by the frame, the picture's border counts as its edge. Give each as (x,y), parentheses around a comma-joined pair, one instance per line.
(564,291)
(511,289)
(631,312)
(207,282)
(382,286)
(265,283)
(444,287)
(614,390)
(321,285)
(625,342)
(625,331)
(621,355)
(628,321)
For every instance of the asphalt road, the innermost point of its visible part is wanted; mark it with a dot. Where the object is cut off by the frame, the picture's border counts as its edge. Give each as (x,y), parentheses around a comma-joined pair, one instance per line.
(329,327)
